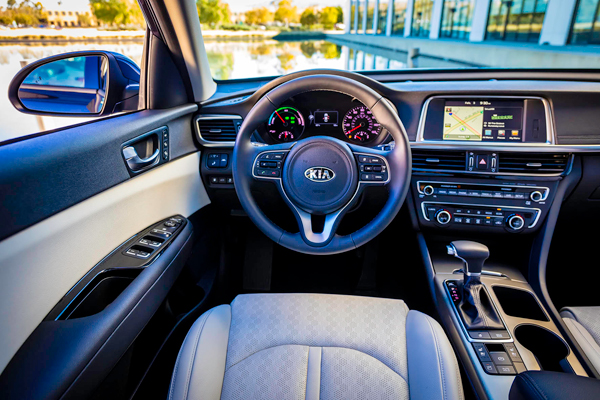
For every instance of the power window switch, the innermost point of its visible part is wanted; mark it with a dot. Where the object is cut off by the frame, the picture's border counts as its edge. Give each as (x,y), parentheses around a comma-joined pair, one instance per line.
(490,368)
(161,233)
(170,224)
(143,254)
(132,252)
(144,241)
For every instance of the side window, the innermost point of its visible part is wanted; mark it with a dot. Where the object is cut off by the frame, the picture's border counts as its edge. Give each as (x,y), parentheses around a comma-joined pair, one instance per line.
(38,30)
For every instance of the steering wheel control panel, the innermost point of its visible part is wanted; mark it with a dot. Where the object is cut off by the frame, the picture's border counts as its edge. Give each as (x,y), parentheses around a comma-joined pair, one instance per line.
(470,205)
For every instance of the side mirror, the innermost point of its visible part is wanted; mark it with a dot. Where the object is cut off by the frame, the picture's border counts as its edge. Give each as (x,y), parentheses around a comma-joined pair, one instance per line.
(78,84)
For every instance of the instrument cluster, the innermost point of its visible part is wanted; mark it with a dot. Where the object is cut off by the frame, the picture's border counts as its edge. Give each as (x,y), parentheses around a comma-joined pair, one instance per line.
(323,113)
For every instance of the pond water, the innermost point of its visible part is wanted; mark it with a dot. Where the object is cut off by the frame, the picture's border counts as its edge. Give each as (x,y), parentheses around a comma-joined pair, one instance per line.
(229,59)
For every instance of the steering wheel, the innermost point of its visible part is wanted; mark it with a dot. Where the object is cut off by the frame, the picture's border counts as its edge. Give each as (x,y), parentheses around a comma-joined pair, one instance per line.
(321,177)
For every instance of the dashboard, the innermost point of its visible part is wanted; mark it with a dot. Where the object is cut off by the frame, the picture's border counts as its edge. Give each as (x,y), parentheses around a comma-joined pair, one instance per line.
(323,113)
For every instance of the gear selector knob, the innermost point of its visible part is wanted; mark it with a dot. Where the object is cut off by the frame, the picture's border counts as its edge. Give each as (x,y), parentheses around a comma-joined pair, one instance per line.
(472,253)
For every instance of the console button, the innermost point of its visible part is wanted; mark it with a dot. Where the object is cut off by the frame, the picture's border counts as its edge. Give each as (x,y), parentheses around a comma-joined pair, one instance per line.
(485,193)
(474,193)
(479,334)
(463,193)
(483,161)
(443,217)
(498,195)
(478,221)
(442,191)
(213,161)
(490,368)
(481,352)
(512,352)
(520,196)
(223,160)
(452,192)
(458,220)
(508,195)
(468,221)
(499,335)
(500,358)
(506,370)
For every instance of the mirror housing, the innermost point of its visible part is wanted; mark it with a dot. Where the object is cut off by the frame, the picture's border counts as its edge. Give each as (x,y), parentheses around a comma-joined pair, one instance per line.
(101,83)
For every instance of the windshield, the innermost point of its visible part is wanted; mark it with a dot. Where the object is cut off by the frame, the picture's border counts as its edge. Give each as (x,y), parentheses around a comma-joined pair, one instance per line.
(253,39)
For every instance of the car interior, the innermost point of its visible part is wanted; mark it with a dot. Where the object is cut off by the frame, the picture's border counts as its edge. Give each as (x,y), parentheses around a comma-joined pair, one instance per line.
(321,234)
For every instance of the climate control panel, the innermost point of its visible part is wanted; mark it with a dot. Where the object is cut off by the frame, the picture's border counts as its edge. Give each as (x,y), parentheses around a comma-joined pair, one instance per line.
(512,219)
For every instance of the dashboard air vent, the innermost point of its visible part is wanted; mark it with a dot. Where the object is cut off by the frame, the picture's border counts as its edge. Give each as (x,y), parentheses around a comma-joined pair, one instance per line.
(218,129)
(440,160)
(537,163)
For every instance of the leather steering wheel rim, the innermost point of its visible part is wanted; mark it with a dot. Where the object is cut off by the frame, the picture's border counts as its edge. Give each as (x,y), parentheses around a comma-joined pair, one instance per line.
(398,159)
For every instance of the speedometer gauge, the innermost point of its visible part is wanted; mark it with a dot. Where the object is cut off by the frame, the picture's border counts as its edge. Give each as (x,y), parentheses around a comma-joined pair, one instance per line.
(359,125)
(286,124)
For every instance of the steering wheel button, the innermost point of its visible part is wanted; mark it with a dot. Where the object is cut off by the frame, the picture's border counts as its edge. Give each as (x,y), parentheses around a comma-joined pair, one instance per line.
(363,159)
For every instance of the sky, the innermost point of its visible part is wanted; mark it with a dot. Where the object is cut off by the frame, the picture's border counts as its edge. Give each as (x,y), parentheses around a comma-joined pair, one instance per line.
(234,5)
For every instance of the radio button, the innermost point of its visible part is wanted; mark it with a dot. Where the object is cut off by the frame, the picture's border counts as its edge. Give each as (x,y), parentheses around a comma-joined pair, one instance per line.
(442,191)
(486,194)
(463,193)
(428,190)
(515,222)
(498,195)
(443,217)
(453,192)
(535,196)
(509,195)
(474,193)
(520,196)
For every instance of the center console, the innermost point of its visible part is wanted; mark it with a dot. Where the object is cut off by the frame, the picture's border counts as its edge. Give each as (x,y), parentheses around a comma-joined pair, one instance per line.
(486,169)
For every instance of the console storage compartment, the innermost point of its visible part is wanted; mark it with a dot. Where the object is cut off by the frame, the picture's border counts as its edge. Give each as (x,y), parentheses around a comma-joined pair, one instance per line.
(519,303)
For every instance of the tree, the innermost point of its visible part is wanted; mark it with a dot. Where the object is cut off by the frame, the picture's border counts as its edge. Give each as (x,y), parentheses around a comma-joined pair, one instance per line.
(111,12)
(329,17)
(285,12)
(213,12)
(84,20)
(259,16)
(309,17)
(340,14)
(11,3)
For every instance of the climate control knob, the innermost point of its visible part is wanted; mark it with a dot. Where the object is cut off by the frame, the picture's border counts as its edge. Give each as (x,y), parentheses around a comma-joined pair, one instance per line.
(428,190)
(536,196)
(443,217)
(515,222)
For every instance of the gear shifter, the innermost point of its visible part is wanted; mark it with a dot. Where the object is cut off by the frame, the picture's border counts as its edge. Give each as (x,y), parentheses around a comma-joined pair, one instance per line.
(475,306)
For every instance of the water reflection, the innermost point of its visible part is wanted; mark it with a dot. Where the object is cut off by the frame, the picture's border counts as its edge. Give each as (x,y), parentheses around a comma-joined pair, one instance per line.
(229,59)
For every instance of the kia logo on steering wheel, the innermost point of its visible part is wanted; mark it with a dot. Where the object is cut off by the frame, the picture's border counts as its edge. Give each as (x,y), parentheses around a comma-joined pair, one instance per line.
(319,174)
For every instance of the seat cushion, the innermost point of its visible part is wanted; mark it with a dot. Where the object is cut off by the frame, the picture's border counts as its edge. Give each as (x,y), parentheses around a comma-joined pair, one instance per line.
(584,324)
(313,346)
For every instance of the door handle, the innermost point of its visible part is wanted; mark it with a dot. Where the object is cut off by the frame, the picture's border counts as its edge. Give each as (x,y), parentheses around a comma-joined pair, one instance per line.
(135,163)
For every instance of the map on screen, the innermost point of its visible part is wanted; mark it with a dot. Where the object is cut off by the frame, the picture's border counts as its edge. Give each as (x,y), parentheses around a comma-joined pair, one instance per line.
(463,123)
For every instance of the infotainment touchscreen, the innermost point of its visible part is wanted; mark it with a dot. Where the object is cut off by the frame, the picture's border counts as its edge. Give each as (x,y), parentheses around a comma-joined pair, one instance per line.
(483,120)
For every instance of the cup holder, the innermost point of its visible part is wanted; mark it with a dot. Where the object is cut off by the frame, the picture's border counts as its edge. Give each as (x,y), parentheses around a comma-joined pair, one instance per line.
(549,350)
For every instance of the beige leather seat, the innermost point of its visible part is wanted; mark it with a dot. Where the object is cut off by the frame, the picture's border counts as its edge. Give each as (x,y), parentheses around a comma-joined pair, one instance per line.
(584,324)
(314,346)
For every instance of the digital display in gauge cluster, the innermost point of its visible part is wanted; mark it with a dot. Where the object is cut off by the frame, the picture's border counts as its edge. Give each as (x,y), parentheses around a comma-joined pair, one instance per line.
(323,114)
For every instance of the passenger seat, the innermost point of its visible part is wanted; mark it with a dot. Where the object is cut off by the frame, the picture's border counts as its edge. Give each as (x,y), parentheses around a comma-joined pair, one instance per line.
(584,324)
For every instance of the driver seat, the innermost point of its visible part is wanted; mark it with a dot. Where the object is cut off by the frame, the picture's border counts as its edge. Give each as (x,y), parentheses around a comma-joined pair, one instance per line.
(315,346)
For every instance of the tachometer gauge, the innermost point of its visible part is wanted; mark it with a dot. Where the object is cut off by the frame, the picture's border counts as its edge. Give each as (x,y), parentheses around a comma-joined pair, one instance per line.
(359,125)
(286,124)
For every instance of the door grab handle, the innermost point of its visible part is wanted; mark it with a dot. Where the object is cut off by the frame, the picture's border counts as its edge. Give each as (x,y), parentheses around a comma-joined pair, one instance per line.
(135,163)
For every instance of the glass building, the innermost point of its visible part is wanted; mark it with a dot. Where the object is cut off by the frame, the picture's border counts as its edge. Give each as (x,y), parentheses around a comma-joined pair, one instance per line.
(382,17)
(586,25)
(533,21)
(421,18)
(456,18)
(399,17)
(516,20)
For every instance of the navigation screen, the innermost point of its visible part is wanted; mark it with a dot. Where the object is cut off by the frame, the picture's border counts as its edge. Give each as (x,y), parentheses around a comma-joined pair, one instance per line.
(483,120)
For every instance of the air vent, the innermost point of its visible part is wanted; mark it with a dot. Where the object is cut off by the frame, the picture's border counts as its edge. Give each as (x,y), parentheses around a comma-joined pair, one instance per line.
(534,163)
(439,160)
(218,129)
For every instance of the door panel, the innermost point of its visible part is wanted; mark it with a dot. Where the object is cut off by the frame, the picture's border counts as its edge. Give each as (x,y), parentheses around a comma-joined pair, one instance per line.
(40,264)
(43,175)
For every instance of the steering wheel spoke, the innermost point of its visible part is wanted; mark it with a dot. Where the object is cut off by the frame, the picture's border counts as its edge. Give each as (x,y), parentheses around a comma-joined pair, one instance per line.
(317,230)
(373,166)
(268,161)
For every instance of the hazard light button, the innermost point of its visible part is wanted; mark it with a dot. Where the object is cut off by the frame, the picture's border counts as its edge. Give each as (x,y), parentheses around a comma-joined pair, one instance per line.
(483,161)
